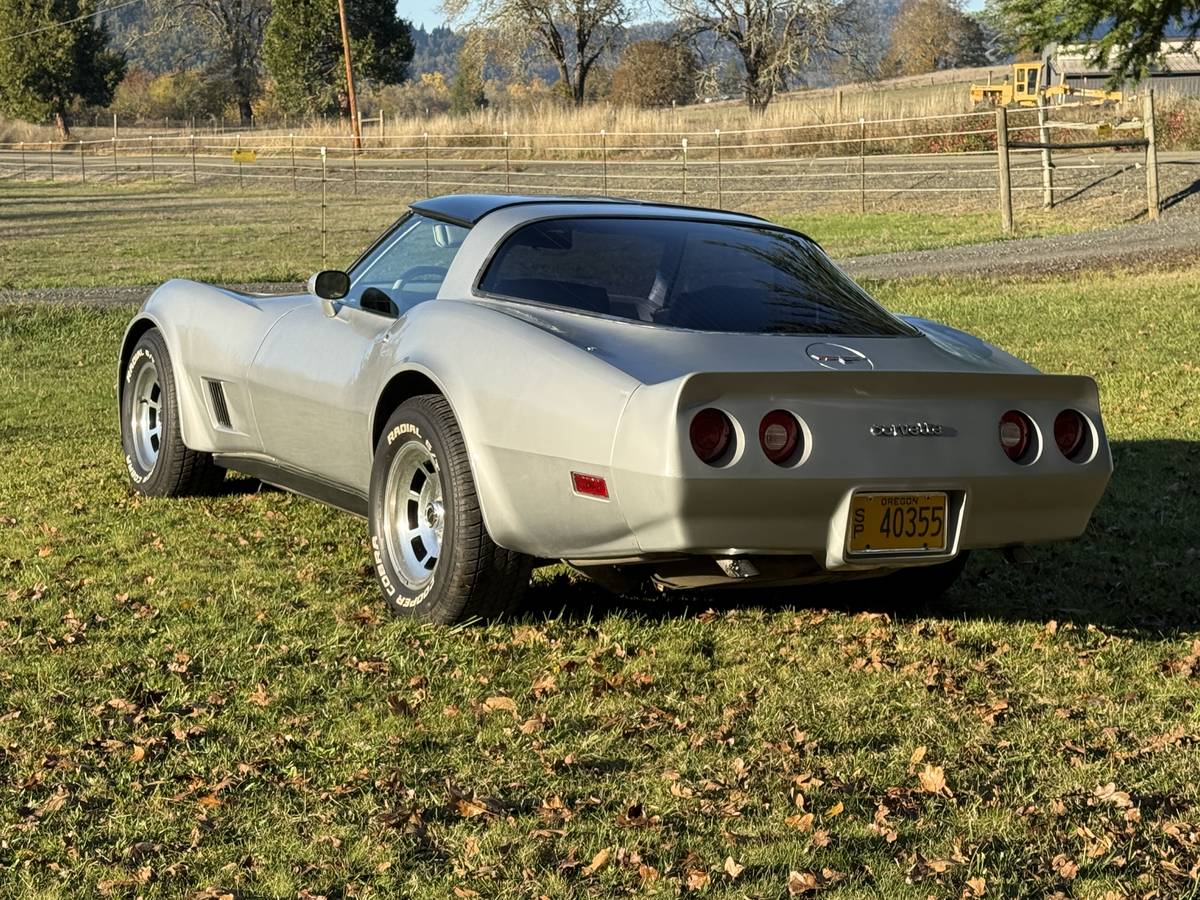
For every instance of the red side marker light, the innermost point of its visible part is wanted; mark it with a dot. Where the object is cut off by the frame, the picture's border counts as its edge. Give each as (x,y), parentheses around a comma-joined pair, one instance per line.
(589,485)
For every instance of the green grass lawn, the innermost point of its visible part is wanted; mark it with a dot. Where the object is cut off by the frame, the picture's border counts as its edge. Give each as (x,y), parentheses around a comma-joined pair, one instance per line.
(208,693)
(72,235)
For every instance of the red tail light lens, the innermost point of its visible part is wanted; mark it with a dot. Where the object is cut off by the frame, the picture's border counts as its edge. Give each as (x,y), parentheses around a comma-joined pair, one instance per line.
(779,435)
(711,433)
(1070,433)
(1015,434)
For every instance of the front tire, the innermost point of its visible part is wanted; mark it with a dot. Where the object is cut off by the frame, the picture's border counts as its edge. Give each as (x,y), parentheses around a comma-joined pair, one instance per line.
(158,462)
(433,556)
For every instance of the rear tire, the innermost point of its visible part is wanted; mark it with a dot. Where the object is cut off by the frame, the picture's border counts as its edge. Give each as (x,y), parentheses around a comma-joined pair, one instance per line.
(155,456)
(434,558)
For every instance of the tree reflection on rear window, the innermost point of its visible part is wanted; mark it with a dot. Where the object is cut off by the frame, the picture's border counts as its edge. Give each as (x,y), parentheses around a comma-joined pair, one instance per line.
(678,273)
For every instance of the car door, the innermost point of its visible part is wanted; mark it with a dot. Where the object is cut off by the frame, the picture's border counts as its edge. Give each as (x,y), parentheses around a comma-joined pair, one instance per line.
(311,404)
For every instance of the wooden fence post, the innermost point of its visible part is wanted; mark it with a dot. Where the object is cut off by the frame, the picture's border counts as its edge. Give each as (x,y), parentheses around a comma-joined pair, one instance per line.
(1006,210)
(1047,162)
(292,139)
(507,188)
(50,150)
(685,170)
(324,238)
(150,143)
(24,173)
(719,200)
(1153,205)
(604,157)
(426,137)
(238,154)
(862,164)
(82,165)
(116,171)
(354,159)
(192,142)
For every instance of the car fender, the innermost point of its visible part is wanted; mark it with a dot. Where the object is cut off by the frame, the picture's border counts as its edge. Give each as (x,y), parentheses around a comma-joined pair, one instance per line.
(532,409)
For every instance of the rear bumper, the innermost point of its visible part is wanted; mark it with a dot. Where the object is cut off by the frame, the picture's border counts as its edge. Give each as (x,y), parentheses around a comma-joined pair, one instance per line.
(809,517)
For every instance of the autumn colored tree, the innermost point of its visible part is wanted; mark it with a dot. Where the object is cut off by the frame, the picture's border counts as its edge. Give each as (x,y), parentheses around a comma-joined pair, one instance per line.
(655,73)
(930,35)
(53,53)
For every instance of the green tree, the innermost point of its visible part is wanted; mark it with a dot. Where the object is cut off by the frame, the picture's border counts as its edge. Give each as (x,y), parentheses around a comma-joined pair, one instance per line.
(1130,34)
(655,73)
(44,72)
(303,51)
(466,92)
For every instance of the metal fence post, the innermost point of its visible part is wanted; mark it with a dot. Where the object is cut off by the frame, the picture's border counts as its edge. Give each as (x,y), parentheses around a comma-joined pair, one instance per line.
(50,150)
(685,170)
(604,160)
(1006,211)
(150,143)
(82,165)
(426,137)
(1153,206)
(1047,162)
(718,134)
(192,142)
(292,137)
(507,189)
(24,173)
(862,164)
(324,239)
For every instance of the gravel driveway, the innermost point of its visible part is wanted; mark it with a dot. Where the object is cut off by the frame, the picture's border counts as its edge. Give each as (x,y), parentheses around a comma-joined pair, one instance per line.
(1173,240)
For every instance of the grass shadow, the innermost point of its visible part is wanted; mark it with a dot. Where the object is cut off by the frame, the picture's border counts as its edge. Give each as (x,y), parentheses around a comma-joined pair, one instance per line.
(1131,572)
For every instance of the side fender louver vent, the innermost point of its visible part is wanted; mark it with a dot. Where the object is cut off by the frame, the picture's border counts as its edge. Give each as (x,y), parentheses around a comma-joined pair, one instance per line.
(220,409)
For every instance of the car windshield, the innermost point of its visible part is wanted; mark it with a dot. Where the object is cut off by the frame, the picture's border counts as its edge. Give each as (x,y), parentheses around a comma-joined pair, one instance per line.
(700,275)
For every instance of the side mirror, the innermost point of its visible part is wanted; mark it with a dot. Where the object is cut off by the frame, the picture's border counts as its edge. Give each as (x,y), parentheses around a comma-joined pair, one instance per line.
(330,284)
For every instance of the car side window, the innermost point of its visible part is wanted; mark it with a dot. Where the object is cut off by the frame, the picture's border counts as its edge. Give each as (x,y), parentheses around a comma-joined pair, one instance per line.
(411,263)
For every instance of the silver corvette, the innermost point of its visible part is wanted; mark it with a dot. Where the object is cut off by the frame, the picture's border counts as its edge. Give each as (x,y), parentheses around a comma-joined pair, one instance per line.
(645,391)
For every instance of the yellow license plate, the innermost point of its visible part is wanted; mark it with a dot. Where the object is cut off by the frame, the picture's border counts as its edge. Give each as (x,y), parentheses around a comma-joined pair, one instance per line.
(895,522)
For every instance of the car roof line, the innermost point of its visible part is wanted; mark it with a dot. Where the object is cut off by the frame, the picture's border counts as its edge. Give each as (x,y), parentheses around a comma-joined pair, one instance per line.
(437,210)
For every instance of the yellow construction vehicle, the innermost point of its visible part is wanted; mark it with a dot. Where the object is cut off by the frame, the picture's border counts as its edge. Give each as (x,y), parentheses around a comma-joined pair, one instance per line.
(1022,86)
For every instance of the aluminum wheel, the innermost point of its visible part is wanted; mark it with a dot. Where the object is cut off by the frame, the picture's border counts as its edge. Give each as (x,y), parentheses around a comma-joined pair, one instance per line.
(414,514)
(145,414)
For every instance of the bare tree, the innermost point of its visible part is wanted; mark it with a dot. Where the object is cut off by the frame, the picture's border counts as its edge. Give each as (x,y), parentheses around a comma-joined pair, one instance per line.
(235,30)
(571,33)
(774,38)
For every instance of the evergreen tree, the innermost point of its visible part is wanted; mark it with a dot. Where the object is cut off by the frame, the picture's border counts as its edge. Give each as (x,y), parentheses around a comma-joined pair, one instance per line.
(42,74)
(303,50)
(466,92)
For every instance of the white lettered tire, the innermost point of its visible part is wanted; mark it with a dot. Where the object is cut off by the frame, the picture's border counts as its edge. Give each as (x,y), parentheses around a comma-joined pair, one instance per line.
(432,554)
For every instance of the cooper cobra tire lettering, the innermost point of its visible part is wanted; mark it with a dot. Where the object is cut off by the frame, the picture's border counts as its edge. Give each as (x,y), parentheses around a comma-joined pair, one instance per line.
(470,576)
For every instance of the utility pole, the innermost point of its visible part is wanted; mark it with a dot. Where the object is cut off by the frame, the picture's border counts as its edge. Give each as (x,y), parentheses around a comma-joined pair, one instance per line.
(349,75)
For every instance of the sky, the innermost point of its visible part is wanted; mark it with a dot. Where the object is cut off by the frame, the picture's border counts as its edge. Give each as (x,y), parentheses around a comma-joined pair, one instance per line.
(426,12)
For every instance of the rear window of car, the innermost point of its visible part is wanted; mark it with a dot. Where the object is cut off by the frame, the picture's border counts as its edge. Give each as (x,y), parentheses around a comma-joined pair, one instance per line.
(707,276)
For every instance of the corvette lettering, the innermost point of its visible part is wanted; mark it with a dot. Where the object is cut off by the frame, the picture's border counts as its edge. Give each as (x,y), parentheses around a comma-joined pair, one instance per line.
(916,429)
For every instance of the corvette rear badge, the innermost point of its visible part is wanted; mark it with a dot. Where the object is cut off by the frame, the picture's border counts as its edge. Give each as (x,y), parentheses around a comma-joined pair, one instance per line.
(915,429)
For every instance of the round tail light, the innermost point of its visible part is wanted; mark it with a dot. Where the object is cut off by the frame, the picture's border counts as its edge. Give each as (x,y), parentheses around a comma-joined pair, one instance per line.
(711,433)
(779,435)
(1070,433)
(1015,434)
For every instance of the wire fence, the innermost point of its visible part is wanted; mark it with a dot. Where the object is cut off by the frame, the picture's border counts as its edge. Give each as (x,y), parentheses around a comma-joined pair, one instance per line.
(979,157)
